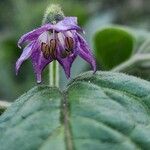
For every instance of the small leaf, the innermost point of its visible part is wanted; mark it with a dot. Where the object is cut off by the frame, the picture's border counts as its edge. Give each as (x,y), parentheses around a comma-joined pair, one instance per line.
(102,111)
(113,45)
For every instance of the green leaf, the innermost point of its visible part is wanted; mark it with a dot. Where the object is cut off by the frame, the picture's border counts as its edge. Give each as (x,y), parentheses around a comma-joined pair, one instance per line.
(102,111)
(113,45)
(32,121)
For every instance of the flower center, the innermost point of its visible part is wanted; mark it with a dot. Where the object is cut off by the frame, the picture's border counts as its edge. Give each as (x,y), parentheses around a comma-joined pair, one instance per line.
(49,51)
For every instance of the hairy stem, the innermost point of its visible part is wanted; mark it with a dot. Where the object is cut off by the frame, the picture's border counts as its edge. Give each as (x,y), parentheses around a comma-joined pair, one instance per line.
(133,61)
(54,74)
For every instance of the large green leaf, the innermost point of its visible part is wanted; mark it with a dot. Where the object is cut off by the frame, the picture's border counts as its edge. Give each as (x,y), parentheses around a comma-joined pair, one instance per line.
(113,45)
(102,111)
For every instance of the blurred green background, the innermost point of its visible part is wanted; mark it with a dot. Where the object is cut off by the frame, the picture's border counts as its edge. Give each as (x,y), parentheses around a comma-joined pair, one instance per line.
(116,30)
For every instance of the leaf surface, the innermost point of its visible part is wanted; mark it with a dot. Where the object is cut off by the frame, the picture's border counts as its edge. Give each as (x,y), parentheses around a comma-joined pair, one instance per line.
(102,111)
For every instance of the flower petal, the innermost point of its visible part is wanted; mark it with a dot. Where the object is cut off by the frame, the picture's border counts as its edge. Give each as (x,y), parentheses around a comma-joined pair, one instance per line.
(44,37)
(85,52)
(68,23)
(25,55)
(38,61)
(33,35)
(66,63)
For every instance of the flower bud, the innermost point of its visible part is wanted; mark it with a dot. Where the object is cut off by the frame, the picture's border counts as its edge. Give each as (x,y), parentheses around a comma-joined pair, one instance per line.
(53,14)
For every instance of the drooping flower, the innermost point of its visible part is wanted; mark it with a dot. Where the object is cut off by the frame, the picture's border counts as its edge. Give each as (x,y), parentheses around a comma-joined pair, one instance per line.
(59,41)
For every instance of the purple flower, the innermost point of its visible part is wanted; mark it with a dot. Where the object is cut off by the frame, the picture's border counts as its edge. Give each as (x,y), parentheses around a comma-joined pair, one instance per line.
(60,41)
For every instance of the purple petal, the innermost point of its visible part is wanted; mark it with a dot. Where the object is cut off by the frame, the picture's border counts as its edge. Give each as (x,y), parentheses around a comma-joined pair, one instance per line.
(68,23)
(66,63)
(33,35)
(25,55)
(38,61)
(85,52)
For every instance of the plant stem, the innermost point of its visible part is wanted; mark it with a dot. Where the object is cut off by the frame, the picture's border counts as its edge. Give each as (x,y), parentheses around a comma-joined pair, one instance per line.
(133,61)
(54,74)
(127,65)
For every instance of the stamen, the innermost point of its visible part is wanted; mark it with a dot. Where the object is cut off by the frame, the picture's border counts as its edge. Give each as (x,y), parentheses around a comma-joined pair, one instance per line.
(65,53)
(69,44)
(46,50)
(53,43)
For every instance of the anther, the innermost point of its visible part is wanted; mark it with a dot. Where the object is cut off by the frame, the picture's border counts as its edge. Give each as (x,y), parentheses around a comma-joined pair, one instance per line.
(46,50)
(53,43)
(69,44)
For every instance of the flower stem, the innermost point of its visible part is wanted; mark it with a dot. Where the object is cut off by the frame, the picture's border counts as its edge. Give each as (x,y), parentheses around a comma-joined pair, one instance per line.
(54,74)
